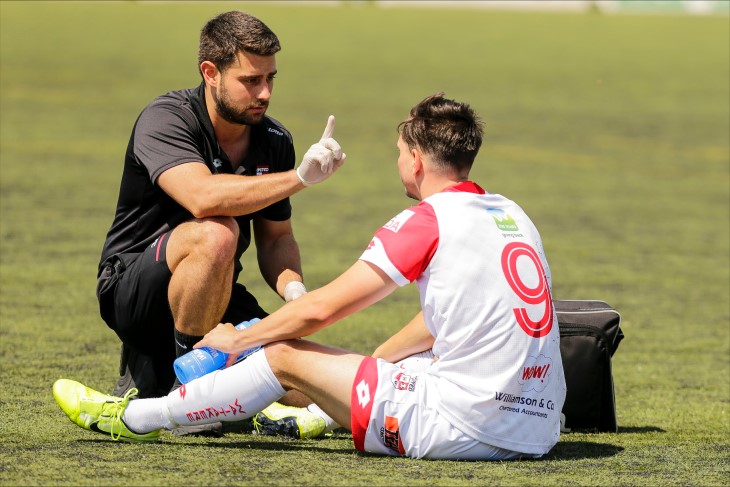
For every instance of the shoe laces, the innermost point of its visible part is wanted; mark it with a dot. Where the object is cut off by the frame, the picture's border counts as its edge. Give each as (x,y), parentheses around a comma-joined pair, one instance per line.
(256,425)
(117,411)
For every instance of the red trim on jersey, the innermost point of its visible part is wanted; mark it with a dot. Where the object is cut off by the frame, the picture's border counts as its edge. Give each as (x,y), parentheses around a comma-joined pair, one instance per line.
(361,402)
(412,246)
(466,187)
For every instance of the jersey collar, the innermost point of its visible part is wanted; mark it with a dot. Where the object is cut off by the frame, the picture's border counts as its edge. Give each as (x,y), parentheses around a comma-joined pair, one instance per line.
(465,187)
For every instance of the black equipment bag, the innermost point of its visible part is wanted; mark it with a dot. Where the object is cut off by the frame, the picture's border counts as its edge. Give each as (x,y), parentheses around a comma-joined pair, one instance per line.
(590,333)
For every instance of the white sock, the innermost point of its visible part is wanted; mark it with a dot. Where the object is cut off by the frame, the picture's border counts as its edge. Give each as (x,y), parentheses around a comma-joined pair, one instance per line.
(330,424)
(193,403)
(231,394)
(145,415)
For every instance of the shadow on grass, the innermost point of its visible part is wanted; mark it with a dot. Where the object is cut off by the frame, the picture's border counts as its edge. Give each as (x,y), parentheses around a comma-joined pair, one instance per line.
(562,451)
(283,444)
(640,429)
(280,445)
(577,450)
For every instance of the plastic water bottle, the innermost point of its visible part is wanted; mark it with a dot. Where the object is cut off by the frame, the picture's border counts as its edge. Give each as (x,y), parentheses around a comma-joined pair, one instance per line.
(201,361)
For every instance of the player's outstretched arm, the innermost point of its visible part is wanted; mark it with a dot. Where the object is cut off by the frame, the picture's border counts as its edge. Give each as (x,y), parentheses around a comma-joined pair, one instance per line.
(358,287)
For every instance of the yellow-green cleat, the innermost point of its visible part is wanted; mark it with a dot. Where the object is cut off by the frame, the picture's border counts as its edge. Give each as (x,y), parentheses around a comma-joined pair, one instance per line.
(292,422)
(98,412)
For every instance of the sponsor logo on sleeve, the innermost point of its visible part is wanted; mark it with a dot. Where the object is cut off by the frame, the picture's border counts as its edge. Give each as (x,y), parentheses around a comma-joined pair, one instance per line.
(397,222)
(262,169)
(375,245)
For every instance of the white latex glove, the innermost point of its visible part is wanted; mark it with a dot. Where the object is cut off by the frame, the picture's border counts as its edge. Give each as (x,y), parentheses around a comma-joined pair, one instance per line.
(322,159)
(293,290)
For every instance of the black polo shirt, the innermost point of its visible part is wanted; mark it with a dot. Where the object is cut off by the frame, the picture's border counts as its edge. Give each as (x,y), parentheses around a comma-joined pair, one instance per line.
(176,129)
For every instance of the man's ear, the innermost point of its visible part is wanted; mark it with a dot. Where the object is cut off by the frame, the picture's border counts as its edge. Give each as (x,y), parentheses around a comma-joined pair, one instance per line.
(417,161)
(210,73)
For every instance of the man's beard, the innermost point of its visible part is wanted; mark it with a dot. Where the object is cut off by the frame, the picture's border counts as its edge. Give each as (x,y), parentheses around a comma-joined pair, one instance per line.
(231,115)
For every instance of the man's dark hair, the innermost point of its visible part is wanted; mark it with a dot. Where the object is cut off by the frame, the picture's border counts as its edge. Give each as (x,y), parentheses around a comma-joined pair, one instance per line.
(448,131)
(230,32)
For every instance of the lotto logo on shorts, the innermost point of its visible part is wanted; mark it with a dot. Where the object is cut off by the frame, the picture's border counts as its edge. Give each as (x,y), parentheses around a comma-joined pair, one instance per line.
(390,434)
(403,382)
(363,393)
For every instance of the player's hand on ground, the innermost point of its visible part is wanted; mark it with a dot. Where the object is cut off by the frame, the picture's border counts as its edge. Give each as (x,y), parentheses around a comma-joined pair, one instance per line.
(322,159)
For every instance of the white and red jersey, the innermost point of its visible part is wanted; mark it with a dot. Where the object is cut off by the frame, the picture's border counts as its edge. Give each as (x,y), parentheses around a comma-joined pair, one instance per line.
(484,286)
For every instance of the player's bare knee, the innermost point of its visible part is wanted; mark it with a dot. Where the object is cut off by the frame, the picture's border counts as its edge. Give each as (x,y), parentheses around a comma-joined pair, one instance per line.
(278,354)
(217,238)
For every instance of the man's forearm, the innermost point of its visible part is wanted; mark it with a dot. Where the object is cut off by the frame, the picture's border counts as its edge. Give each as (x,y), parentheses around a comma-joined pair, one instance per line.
(412,338)
(280,263)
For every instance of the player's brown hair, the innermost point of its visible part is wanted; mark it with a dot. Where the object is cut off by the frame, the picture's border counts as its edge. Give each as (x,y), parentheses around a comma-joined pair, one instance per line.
(223,36)
(448,131)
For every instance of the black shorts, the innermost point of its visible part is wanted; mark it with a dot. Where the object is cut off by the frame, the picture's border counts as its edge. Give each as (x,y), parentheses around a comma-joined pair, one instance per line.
(132,293)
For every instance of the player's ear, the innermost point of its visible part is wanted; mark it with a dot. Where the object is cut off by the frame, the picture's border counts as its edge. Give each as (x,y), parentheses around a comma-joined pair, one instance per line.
(417,161)
(210,73)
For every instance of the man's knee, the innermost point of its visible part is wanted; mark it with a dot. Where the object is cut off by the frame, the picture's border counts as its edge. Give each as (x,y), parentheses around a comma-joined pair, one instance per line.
(216,238)
(280,356)
(277,352)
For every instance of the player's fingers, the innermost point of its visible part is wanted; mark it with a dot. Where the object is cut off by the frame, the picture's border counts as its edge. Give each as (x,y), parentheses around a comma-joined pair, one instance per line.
(330,128)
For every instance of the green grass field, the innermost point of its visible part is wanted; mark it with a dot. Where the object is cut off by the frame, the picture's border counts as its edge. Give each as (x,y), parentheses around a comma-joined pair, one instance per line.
(611,132)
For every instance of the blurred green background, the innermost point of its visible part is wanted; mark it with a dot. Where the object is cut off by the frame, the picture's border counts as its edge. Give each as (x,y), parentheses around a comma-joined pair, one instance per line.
(611,131)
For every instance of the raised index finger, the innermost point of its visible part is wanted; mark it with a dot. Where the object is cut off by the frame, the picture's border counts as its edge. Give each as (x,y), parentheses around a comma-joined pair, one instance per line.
(330,128)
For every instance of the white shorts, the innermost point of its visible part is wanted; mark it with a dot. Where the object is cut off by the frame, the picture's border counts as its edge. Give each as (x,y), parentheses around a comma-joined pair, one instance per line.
(392,415)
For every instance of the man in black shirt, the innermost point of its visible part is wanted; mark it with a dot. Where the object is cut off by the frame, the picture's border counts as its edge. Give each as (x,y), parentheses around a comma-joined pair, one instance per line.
(203,166)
